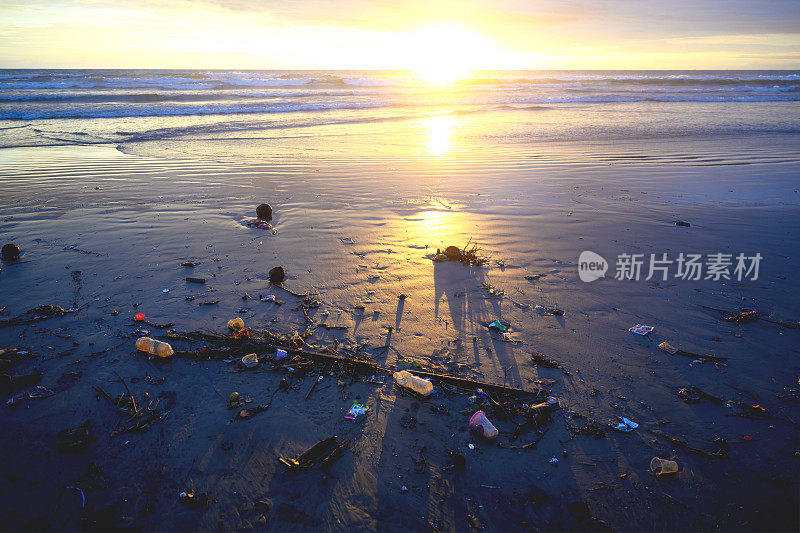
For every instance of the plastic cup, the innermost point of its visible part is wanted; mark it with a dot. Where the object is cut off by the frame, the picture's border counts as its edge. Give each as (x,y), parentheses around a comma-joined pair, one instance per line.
(481,424)
(660,467)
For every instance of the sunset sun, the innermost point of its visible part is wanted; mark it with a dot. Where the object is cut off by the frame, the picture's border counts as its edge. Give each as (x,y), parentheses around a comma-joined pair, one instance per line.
(446,52)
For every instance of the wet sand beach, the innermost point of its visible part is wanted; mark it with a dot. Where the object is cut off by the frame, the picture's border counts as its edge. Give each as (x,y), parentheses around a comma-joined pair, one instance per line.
(359,212)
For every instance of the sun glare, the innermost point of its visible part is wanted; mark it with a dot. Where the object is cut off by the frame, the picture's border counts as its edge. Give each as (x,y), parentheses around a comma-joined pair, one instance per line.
(446,52)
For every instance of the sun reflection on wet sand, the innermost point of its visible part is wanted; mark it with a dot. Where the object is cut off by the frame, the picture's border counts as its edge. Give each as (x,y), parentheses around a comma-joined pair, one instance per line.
(439,132)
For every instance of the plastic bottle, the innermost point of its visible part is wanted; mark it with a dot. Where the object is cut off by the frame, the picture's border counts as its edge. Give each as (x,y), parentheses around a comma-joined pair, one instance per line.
(541,412)
(408,380)
(161,349)
(481,424)
(236,324)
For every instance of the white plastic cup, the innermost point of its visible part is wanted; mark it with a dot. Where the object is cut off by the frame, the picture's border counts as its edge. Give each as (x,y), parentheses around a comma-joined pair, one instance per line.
(660,467)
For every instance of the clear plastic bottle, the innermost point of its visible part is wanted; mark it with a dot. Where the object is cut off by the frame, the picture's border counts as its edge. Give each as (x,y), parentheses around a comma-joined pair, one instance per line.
(161,349)
(408,380)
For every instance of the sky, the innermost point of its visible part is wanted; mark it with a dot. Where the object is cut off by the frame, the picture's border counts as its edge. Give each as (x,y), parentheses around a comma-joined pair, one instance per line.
(410,34)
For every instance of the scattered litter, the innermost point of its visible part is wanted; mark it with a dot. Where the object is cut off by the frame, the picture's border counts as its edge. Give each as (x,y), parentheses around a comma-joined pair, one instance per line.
(374,277)
(277,274)
(683,223)
(83,496)
(212,302)
(660,467)
(471,446)
(196,280)
(323,453)
(640,329)
(267,298)
(280,354)
(189,264)
(626,425)
(139,317)
(165,291)
(406,379)
(557,312)
(481,424)
(499,326)
(75,439)
(355,411)
(154,347)
(236,324)
(250,360)
(553,461)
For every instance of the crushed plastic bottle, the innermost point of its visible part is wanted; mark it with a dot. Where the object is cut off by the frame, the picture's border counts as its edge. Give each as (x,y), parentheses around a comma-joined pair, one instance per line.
(408,380)
(161,349)
(541,412)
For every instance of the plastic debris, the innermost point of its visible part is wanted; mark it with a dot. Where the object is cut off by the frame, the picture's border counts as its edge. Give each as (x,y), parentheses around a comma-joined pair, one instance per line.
(640,329)
(154,347)
(250,360)
(660,467)
(165,291)
(196,280)
(553,461)
(236,324)
(280,354)
(667,347)
(626,425)
(355,411)
(139,317)
(481,424)
(498,326)
(683,223)
(406,379)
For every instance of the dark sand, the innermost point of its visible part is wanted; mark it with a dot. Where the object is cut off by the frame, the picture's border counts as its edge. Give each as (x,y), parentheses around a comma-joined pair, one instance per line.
(338,222)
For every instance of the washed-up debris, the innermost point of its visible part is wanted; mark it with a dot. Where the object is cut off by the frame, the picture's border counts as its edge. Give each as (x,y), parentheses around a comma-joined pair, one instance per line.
(196,280)
(75,439)
(236,324)
(695,394)
(139,317)
(355,411)
(496,325)
(641,329)
(468,255)
(557,312)
(553,461)
(37,314)
(37,393)
(264,212)
(189,264)
(10,252)
(212,302)
(154,347)
(535,277)
(668,348)
(748,315)
(542,360)
(140,416)
(493,292)
(277,274)
(408,380)
(683,223)
(626,425)
(697,451)
(250,360)
(482,426)
(661,467)
(189,499)
(323,453)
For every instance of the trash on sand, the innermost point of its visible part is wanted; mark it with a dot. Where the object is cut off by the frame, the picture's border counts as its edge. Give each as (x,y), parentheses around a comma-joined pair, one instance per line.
(640,329)
(83,496)
(139,317)
(626,425)
(355,411)
(557,312)
(553,461)
(10,252)
(267,298)
(236,324)
(165,291)
(154,347)
(195,280)
(199,501)
(36,394)
(324,453)
(77,438)
(280,354)
(406,379)
(668,348)
(539,309)
(374,277)
(468,256)
(264,212)
(683,223)
(277,274)
(233,400)
(660,467)
(743,317)
(541,412)
(481,424)
(498,326)
(250,360)
(189,264)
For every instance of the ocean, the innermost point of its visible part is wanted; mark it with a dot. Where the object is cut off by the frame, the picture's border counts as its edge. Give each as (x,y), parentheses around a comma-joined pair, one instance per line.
(140,110)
